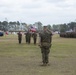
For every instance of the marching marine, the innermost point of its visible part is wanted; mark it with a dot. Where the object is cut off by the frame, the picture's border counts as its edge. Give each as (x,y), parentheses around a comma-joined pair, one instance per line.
(34,35)
(19,37)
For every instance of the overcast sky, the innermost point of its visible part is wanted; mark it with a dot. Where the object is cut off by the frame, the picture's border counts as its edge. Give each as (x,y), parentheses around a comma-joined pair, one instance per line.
(45,11)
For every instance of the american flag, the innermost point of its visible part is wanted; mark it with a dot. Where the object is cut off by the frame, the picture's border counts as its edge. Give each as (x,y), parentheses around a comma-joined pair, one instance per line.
(33,29)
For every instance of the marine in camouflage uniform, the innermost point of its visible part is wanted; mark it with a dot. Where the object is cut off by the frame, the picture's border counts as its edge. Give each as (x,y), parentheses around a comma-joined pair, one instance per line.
(19,37)
(34,35)
(45,44)
(28,37)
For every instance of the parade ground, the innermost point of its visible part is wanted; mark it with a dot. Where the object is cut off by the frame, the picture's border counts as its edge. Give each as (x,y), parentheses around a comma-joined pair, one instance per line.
(26,59)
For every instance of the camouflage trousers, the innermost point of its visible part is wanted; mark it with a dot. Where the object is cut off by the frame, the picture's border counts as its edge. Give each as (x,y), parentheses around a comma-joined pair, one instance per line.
(45,55)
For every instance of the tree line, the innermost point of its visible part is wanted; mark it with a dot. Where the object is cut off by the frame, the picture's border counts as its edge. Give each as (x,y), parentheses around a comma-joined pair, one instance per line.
(16,26)
(64,27)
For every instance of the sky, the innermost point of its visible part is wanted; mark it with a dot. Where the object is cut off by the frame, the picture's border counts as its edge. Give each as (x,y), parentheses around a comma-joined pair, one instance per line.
(45,11)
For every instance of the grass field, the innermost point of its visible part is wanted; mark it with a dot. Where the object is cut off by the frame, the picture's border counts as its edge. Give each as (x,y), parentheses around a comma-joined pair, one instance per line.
(25,59)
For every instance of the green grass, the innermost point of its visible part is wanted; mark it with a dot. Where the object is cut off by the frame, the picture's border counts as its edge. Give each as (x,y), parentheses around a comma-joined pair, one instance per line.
(25,59)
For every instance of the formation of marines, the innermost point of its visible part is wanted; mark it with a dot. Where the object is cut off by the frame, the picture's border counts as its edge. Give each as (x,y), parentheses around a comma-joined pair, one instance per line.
(28,36)
(45,39)
(68,34)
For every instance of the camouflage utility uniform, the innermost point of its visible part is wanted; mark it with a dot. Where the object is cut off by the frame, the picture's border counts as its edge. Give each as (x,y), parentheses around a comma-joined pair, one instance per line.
(19,37)
(28,37)
(34,35)
(45,45)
